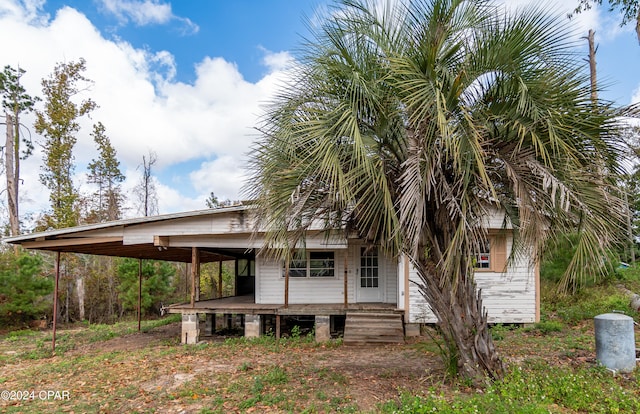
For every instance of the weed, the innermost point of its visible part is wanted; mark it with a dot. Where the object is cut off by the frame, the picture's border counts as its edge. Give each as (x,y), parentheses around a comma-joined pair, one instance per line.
(295,332)
(547,327)
(276,376)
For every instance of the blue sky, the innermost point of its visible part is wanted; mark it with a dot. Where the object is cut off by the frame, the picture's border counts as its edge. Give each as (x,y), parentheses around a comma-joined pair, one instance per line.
(237,30)
(187,79)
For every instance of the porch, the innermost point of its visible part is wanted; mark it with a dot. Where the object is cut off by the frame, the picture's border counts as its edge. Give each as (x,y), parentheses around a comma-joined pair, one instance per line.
(383,319)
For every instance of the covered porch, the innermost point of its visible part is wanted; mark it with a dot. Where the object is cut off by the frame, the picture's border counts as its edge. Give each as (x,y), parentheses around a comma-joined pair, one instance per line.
(339,286)
(257,319)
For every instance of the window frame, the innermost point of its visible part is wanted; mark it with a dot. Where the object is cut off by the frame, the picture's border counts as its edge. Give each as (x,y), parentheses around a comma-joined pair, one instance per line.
(369,264)
(311,271)
(497,254)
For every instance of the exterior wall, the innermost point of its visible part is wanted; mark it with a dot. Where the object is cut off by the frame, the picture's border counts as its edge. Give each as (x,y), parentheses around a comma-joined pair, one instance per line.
(222,223)
(270,282)
(508,297)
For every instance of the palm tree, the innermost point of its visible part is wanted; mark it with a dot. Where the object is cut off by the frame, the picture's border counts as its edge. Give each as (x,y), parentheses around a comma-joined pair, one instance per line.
(409,123)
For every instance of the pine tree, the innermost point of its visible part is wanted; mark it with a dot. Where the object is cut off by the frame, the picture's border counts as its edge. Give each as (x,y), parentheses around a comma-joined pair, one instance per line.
(15,102)
(105,173)
(59,124)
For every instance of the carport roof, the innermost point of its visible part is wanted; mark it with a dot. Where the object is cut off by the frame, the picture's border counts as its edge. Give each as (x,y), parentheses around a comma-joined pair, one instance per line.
(87,239)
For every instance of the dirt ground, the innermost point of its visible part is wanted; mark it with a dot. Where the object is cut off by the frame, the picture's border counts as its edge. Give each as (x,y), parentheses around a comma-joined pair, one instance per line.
(374,373)
(152,372)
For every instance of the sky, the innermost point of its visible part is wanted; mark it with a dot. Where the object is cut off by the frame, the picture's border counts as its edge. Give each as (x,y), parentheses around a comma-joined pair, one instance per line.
(188,80)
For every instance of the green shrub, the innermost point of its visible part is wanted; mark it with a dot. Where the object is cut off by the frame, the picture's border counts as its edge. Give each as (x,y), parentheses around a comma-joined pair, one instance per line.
(24,290)
(548,326)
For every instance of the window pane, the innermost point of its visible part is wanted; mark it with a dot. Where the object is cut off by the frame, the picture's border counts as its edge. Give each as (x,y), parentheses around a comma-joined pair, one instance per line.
(483,257)
(321,264)
(368,268)
(297,268)
(297,272)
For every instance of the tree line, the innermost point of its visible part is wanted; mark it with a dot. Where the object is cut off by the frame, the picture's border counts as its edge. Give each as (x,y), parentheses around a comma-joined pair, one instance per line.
(91,288)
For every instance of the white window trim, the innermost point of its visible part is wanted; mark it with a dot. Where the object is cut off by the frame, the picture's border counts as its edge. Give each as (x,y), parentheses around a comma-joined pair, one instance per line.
(308,266)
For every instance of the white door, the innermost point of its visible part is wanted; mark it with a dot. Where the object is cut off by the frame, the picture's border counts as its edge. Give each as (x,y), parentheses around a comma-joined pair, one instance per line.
(370,280)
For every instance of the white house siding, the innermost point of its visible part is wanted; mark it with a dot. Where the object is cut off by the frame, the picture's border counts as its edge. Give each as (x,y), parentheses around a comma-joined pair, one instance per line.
(270,282)
(508,297)
(223,223)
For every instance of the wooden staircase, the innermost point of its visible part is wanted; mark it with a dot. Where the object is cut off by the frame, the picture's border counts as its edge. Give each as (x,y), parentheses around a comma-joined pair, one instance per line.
(373,328)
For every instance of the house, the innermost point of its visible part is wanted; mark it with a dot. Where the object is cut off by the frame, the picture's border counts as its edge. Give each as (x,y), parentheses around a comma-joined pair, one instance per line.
(338,282)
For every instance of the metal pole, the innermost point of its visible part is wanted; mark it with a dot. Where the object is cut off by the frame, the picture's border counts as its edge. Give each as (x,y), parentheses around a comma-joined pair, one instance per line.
(139,292)
(220,279)
(55,301)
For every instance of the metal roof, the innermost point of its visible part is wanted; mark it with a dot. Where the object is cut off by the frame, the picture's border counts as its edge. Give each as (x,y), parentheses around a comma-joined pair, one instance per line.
(76,239)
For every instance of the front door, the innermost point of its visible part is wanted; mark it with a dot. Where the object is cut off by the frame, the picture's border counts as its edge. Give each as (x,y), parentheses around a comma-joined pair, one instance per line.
(370,282)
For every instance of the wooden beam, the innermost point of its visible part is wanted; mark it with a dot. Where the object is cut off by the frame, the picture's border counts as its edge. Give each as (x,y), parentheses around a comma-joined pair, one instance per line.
(198,278)
(161,241)
(195,253)
(346,284)
(43,244)
(286,285)
(220,279)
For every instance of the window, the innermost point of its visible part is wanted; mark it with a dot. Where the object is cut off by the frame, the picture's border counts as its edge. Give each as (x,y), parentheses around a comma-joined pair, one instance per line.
(483,257)
(492,256)
(315,264)
(321,264)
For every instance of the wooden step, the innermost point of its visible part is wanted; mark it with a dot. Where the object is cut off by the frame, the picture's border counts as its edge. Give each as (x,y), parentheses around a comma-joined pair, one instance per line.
(373,328)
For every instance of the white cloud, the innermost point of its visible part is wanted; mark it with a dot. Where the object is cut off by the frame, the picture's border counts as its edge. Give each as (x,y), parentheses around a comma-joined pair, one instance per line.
(224,176)
(28,10)
(208,123)
(276,61)
(146,12)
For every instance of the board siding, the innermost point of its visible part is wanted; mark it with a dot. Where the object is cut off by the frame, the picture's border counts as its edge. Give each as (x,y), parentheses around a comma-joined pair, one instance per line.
(508,297)
(270,283)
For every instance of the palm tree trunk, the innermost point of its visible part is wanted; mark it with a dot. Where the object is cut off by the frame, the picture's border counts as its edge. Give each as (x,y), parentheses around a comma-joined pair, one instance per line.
(463,323)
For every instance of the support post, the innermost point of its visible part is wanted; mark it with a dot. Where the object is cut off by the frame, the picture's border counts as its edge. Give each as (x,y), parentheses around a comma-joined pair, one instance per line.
(278,327)
(220,279)
(194,268)
(55,302)
(286,285)
(346,284)
(190,328)
(139,292)
(252,326)
(198,277)
(323,328)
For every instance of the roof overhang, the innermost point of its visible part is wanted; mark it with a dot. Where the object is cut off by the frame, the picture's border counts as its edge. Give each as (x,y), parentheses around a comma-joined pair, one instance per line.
(110,239)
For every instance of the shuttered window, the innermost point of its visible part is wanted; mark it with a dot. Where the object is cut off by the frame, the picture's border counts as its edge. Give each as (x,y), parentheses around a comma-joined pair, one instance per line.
(492,256)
